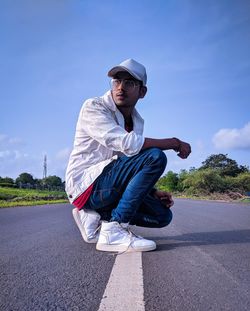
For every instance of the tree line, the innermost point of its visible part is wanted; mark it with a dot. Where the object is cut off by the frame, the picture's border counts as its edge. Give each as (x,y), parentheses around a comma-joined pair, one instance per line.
(26,180)
(218,174)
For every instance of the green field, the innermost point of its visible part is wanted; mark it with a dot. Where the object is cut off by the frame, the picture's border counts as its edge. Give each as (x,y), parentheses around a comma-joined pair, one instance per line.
(20,197)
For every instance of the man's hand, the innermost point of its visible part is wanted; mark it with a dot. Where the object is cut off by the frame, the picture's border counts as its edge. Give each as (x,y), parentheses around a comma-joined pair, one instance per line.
(165,197)
(183,149)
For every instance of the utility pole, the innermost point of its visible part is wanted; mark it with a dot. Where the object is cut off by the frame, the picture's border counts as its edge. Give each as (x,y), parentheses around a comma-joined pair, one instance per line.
(45,167)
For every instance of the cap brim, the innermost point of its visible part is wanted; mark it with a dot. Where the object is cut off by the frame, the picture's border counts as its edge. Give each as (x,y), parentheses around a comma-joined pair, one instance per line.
(112,72)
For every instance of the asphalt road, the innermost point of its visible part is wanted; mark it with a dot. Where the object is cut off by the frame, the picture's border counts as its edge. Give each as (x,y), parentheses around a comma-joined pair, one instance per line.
(202,261)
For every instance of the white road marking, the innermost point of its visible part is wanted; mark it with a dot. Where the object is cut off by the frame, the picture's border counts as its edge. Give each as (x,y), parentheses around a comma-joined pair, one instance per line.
(124,290)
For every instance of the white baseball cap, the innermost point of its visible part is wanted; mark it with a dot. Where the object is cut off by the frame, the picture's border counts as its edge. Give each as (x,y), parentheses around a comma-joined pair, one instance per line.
(134,68)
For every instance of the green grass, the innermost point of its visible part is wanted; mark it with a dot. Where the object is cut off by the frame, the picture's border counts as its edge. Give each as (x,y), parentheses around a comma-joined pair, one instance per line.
(245,200)
(10,197)
(20,197)
(231,197)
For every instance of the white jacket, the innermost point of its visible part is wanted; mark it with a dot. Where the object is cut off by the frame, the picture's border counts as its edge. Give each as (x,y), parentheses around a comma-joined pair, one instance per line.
(99,139)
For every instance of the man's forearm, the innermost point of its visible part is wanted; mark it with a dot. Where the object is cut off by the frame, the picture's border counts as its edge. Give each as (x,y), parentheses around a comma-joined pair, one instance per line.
(183,148)
(163,144)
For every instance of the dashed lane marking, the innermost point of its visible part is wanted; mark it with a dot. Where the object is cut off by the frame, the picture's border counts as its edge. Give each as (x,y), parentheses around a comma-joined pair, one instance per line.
(124,290)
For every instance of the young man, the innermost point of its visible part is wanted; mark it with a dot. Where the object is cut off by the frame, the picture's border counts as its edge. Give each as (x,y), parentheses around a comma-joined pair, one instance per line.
(113,168)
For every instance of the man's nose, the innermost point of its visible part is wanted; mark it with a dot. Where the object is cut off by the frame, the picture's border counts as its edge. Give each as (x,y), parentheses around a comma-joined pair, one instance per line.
(121,85)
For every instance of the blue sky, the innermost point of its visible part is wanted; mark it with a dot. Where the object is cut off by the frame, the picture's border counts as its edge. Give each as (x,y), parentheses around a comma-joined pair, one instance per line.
(56,54)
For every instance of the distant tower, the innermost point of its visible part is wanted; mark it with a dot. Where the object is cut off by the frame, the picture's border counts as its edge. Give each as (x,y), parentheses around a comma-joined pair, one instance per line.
(45,167)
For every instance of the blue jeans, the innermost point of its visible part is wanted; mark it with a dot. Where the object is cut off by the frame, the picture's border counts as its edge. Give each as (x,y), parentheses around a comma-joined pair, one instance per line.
(124,190)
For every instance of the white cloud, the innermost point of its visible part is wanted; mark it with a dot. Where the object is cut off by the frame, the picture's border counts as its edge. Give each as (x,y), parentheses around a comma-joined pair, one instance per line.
(3,137)
(16,141)
(233,138)
(14,160)
(6,141)
(4,154)
(11,154)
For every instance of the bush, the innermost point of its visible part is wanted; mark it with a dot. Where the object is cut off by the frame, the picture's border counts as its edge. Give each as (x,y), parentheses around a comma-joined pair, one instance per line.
(240,183)
(169,182)
(6,184)
(203,181)
(182,176)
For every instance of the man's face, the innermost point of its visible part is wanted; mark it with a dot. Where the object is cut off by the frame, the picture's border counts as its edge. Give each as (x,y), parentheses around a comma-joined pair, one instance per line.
(124,97)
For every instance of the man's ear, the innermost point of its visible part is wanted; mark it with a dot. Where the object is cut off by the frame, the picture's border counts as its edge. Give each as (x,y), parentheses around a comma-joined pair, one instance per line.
(143,91)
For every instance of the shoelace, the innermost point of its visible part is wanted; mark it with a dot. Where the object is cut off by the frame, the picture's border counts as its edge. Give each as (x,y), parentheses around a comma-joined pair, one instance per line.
(97,224)
(131,235)
(98,228)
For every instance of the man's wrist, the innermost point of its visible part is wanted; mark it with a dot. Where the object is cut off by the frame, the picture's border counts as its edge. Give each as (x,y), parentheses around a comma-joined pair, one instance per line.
(177,144)
(153,191)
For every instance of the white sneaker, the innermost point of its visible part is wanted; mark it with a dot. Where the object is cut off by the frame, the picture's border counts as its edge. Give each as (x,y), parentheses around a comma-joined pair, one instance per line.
(88,222)
(115,237)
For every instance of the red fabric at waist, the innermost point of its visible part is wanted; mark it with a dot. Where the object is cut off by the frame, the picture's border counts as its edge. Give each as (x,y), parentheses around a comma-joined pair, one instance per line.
(83,198)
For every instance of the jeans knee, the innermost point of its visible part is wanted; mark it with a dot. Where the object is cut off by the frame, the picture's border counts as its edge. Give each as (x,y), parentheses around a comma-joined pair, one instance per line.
(166,220)
(157,155)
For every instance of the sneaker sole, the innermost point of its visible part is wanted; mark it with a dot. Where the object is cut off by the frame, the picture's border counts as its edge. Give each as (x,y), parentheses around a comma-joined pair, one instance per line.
(77,219)
(124,248)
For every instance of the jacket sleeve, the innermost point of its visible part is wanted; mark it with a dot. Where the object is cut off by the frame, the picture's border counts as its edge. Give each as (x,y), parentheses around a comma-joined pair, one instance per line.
(99,123)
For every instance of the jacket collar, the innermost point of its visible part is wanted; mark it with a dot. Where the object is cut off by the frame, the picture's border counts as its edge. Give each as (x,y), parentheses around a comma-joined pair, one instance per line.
(109,102)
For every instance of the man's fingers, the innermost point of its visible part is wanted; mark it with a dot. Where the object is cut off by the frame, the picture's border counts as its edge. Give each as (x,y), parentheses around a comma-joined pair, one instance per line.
(184,153)
(182,156)
(184,150)
(168,203)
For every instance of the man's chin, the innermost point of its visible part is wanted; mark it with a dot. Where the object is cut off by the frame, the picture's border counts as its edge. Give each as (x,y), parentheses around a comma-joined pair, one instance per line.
(120,102)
